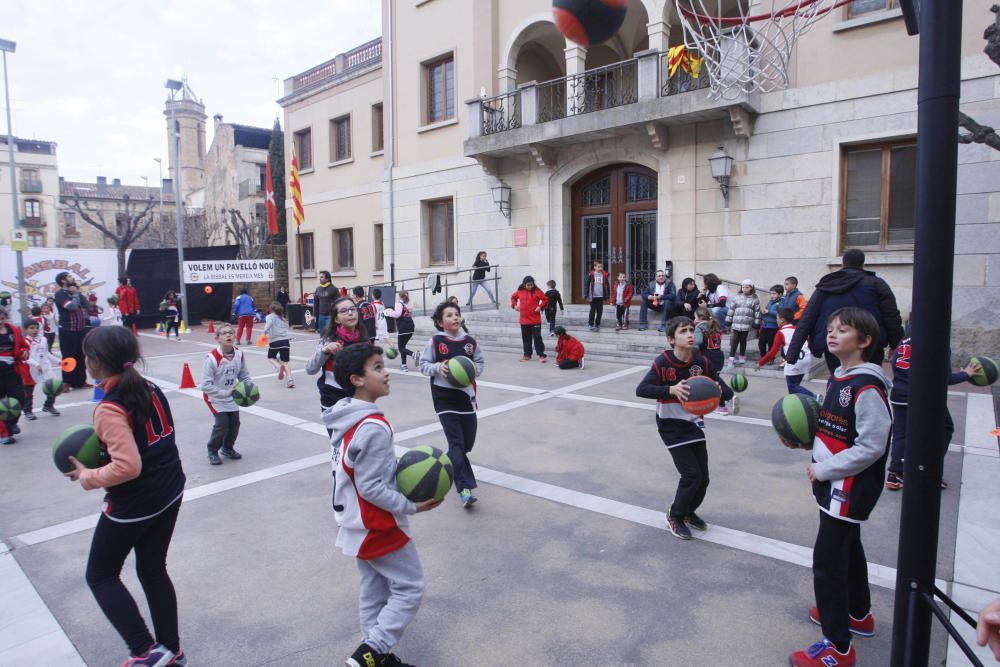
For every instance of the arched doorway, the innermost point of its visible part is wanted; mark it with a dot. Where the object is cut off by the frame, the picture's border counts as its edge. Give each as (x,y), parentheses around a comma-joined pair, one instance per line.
(614,222)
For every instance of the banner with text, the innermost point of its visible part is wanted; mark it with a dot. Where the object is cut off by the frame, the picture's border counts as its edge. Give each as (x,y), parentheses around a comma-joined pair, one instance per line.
(95,271)
(229,271)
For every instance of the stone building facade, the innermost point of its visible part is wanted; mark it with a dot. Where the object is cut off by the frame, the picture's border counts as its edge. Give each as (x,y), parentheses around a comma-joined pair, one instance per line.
(605,154)
(235,176)
(109,199)
(36,190)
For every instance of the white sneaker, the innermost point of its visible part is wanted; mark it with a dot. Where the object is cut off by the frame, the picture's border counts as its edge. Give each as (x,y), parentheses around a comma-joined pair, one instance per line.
(583,363)
(736,405)
(404,368)
(722,410)
(290,383)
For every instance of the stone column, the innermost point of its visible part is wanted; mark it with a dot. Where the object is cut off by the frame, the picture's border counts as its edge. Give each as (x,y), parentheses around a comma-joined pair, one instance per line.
(529,103)
(576,63)
(648,74)
(659,35)
(474,107)
(506,79)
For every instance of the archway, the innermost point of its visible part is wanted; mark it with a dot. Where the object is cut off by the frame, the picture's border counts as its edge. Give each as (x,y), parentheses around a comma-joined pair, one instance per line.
(614,221)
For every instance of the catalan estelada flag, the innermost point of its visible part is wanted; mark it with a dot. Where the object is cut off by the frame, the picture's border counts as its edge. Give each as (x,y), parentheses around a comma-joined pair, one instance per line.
(298,213)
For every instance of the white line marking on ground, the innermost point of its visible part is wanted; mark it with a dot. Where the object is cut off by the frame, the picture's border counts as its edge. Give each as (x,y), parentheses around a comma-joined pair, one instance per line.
(31,635)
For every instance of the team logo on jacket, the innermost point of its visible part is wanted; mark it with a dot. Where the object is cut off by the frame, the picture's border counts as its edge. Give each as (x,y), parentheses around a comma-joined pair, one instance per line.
(442,348)
(671,375)
(845,397)
(696,370)
(469,349)
(839,495)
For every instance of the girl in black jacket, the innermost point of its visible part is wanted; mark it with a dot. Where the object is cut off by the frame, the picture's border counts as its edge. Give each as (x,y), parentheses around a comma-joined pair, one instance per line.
(481,266)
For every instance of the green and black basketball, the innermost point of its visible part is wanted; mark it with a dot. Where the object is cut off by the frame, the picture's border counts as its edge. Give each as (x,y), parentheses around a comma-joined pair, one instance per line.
(738,383)
(461,371)
(423,473)
(794,419)
(390,352)
(10,408)
(52,387)
(82,442)
(246,393)
(987,375)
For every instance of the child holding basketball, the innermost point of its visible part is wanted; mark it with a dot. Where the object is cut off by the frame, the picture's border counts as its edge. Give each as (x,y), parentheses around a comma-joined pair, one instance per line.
(279,346)
(848,464)
(708,339)
(224,367)
(681,431)
(41,365)
(370,510)
(569,350)
(455,406)
(144,484)
(343,329)
(529,301)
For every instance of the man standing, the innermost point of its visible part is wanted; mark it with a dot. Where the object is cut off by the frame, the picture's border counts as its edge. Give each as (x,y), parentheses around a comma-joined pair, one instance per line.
(72,306)
(323,298)
(659,296)
(849,286)
(128,301)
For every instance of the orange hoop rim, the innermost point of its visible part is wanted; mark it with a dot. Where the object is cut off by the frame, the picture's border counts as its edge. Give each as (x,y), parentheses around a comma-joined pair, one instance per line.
(790,10)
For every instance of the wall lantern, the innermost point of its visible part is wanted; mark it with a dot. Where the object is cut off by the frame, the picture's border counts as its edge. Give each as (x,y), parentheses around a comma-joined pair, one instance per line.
(501,197)
(721,164)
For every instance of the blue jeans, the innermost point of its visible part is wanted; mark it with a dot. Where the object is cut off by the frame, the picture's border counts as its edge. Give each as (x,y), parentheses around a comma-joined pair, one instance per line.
(644,309)
(476,284)
(321,323)
(794,384)
(719,313)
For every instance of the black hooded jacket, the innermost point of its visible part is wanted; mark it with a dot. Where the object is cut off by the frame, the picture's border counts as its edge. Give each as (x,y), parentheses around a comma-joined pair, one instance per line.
(850,286)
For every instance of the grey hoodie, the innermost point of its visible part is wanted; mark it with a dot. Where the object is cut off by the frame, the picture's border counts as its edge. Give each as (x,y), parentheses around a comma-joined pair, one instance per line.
(372,458)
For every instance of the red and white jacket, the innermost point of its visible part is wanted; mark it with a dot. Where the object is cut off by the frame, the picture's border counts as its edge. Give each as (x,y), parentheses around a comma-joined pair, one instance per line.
(219,375)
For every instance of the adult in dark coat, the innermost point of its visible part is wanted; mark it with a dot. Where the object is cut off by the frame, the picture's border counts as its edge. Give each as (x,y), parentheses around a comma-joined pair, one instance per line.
(323,297)
(851,285)
(72,307)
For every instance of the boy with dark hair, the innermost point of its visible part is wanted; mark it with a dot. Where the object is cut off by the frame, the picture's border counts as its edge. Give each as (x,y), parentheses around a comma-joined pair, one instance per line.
(366,311)
(794,369)
(370,510)
(569,351)
(681,431)
(848,463)
(224,367)
(555,299)
(793,299)
(381,326)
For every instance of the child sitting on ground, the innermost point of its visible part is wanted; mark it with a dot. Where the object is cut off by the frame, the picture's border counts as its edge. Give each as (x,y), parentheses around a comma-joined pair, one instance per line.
(569,350)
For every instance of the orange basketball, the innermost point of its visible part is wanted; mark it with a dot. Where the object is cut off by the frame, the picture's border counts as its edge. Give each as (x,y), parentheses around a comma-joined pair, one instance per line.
(208,289)
(703,397)
(262,341)
(68,364)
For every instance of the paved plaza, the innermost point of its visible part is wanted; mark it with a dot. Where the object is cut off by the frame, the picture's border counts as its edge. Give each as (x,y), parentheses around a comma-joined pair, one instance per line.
(565,560)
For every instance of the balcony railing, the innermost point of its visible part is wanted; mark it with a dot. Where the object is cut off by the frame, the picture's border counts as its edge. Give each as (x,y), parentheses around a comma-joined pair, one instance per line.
(367,53)
(551,100)
(603,88)
(688,75)
(33,222)
(31,187)
(501,113)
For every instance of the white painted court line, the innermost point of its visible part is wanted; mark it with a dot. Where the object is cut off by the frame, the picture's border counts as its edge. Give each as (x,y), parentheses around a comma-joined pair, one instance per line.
(29,633)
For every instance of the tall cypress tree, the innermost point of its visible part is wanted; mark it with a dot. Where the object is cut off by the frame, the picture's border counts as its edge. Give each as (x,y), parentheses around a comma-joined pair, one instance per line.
(276,154)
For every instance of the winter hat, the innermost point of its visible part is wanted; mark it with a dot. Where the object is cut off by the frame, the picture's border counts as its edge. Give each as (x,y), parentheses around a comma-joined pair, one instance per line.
(747,282)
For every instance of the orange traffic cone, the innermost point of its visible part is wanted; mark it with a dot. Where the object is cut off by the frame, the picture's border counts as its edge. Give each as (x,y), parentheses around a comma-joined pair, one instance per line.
(135,331)
(187,381)
(211,326)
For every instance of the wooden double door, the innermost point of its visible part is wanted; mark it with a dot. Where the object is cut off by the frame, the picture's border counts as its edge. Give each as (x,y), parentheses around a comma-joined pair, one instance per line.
(614,222)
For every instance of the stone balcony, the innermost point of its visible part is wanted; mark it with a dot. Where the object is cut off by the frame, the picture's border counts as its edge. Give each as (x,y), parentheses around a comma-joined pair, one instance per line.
(635,95)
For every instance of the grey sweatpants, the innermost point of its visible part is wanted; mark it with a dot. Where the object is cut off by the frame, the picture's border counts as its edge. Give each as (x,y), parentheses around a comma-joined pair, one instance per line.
(391,589)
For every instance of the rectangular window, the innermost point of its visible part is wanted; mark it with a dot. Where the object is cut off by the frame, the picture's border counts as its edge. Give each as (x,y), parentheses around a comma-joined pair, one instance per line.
(379,244)
(343,249)
(306,257)
(879,195)
(30,182)
(36,239)
(32,209)
(340,139)
(69,218)
(260,211)
(439,81)
(860,7)
(378,136)
(262,177)
(441,231)
(302,141)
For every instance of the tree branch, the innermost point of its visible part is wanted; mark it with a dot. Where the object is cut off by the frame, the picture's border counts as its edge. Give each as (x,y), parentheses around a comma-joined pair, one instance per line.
(977,133)
(85,211)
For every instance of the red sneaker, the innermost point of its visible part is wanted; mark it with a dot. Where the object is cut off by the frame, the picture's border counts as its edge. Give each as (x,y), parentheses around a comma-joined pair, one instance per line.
(823,654)
(544,360)
(864,627)
(525,358)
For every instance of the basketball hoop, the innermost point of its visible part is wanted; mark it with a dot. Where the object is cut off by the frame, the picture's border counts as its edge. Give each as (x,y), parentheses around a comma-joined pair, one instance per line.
(747,44)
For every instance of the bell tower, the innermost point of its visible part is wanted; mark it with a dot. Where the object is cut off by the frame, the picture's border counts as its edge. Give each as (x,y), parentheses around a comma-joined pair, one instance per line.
(189,114)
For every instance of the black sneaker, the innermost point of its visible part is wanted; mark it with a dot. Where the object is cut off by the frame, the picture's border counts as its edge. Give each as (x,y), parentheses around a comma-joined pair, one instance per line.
(365,656)
(213,458)
(390,660)
(52,411)
(30,416)
(15,430)
(695,522)
(230,454)
(7,440)
(678,528)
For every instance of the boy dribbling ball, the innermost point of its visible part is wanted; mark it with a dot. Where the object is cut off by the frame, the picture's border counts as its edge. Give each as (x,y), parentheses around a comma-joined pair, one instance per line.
(370,510)
(224,367)
(848,463)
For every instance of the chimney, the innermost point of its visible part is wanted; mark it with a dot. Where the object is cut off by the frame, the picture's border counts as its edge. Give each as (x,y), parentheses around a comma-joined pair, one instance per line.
(117,182)
(218,121)
(102,185)
(168,186)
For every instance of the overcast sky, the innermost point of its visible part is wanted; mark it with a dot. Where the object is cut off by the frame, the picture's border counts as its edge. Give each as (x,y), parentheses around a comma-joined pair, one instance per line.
(89,75)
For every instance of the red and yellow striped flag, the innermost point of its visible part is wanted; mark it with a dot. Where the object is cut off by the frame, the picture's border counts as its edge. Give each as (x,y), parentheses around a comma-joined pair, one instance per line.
(298,213)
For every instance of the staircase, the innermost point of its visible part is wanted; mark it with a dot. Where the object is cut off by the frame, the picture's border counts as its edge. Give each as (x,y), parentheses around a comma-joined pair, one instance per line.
(499,331)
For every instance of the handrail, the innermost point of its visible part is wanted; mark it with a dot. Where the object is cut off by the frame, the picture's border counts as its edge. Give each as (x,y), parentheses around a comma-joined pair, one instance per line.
(446,285)
(739,285)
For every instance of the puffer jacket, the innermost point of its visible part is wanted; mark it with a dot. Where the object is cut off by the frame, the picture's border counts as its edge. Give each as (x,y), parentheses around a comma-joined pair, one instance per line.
(744,312)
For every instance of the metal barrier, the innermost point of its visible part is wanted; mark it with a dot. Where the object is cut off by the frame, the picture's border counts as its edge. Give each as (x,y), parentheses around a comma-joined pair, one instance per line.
(446,284)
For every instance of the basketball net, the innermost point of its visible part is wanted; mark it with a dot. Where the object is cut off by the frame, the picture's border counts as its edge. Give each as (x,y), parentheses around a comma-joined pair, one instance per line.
(747,44)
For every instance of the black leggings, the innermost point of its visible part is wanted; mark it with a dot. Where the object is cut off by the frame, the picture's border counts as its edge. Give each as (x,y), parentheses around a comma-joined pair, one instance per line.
(567,364)
(460,432)
(596,310)
(111,545)
(10,386)
(692,463)
(403,339)
(840,578)
(738,337)
(529,333)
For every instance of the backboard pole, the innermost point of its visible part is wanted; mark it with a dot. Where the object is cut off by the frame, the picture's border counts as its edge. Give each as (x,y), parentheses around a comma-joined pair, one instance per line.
(937,176)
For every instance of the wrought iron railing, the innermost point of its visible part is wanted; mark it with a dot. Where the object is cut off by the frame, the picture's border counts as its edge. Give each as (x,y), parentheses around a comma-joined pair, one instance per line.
(603,88)
(31,186)
(683,79)
(551,100)
(501,113)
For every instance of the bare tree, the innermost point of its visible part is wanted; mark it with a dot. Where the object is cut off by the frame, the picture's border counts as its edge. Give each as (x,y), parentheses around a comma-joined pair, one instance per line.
(250,236)
(130,223)
(199,232)
(977,133)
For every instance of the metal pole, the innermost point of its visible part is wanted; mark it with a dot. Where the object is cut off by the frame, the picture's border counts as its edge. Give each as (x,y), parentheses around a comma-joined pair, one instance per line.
(159,212)
(176,135)
(937,176)
(298,252)
(21,291)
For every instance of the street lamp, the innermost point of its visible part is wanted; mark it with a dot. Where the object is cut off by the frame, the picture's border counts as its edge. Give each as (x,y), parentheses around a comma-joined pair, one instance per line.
(159,212)
(501,197)
(721,164)
(7,46)
(173,85)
